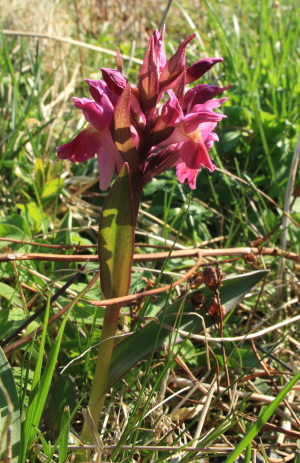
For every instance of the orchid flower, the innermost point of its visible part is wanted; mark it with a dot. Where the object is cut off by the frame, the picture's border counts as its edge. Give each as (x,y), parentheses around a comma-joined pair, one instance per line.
(154,126)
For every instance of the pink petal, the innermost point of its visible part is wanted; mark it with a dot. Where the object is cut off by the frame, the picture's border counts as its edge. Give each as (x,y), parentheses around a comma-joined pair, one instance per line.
(92,112)
(84,146)
(209,142)
(95,115)
(197,70)
(209,105)
(98,88)
(200,94)
(107,169)
(186,175)
(206,128)
(195,155)
(174,66)
(115,80)
(159,47)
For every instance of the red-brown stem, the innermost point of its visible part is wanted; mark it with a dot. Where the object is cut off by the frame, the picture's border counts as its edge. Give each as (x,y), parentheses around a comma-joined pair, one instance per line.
(155,256)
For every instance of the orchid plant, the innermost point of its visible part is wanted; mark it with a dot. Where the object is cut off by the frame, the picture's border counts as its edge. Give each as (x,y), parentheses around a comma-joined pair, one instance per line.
(138,133)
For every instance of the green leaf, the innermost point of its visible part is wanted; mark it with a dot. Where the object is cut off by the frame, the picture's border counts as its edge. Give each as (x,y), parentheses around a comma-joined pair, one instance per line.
(39,169)
(10,231)
(35,216)
(116,238)
(62,393)
(10,426)
(10,294)
(139,345)
(256,427)
(51,188)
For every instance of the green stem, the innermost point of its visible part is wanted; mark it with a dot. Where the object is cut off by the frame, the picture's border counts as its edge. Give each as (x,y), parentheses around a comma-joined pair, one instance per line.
(97,396)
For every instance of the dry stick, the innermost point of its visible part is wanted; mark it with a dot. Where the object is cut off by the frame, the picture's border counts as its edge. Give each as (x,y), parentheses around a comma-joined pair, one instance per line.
(69,41)
(244,337)
(165,14)
(147,258)
(216,449)
(61,247)
(221,329)
(205,410)
(162,448)
(287,422)
(253,312)
(156,256)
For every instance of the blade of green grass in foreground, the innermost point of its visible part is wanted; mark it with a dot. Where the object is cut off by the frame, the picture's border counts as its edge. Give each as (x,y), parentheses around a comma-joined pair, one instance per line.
(42,383)
(9,412)
(64,436)
(32,413)
(262,420)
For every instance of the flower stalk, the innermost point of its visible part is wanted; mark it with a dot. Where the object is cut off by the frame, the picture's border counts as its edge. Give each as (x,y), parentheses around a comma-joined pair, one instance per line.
(97,395)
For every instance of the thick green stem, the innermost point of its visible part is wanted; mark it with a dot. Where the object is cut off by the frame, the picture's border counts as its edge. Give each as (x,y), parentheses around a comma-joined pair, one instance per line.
(97,396)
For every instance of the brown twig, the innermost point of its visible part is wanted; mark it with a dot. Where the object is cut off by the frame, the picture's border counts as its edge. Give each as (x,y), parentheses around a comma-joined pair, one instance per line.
(79,247)
(156,256)
(69,41)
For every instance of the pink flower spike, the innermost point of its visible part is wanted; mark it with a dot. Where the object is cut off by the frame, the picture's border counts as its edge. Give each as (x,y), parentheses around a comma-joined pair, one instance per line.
(186,175)
(197,70)
(154,126)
